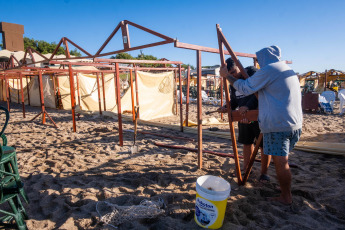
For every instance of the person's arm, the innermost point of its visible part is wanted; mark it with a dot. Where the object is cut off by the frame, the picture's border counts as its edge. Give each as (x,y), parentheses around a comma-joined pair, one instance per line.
(224,73)
(252,103)
(253,84)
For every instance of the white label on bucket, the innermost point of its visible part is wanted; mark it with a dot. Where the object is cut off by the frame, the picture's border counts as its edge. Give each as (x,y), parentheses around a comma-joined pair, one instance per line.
(206,213)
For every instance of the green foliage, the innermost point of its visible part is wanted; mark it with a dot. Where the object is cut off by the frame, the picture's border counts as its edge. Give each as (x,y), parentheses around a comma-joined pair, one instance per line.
(185,66)
(122,56)
(44,47)
(142,56)
(1,46)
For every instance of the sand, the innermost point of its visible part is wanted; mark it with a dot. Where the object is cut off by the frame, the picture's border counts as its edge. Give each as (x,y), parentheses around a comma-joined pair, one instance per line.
(67,173)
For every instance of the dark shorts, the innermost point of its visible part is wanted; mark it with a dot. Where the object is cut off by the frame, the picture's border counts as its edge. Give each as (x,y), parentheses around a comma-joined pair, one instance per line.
(280,143)
(247,133)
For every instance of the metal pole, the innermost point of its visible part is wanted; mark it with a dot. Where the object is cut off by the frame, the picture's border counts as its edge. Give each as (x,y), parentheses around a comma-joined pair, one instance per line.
(78,89)
(72,91)
(181,107)
(99,94)
(187,96)
(41,97)
(137,90)
(28,88)
(118,97)
(22,94)
(103,87)
(199,115)
(132,93)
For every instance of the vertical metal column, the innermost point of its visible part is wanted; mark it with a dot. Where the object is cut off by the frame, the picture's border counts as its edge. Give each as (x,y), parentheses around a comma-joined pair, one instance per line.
(118,101)
(199,101)
(99,94)
(187,96)
(181,107)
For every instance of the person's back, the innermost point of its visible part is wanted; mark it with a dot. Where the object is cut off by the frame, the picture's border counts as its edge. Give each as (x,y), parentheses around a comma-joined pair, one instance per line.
(279,93)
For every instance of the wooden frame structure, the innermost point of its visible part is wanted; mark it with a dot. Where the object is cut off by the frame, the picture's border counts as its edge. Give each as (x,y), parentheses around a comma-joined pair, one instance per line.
(23,70)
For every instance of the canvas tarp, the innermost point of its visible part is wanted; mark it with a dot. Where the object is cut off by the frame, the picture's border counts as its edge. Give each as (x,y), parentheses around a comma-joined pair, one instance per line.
(155,91)
(33,85)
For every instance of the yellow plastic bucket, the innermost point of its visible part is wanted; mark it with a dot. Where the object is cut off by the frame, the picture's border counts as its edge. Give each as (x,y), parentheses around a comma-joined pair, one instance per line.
(211,197)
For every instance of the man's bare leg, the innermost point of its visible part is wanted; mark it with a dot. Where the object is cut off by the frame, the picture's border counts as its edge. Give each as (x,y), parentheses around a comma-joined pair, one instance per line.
(265,162)
(284,177)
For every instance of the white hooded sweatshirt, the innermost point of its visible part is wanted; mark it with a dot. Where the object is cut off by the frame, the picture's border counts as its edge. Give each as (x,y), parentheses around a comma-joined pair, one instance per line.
(278,88)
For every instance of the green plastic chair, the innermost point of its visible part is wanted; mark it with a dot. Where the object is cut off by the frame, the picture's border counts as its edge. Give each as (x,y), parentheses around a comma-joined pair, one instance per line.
(11,185)
(9,192)
(8,158)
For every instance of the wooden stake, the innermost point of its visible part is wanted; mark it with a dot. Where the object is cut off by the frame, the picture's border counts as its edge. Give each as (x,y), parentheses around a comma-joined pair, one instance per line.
(227,96)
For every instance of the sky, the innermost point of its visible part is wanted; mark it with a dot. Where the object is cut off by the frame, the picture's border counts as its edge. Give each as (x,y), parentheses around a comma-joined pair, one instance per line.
(311,34)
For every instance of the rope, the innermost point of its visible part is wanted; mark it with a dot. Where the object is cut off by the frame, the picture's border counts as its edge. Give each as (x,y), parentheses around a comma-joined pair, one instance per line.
(121,214)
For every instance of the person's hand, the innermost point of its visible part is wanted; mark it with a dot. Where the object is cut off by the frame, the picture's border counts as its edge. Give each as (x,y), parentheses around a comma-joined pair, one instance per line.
(223,72)
(243,110)
(222,109)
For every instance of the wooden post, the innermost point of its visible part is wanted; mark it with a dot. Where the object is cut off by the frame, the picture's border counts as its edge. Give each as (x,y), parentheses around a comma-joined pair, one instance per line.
(58,92)
(72,91)
(99,94)
(28,88)
(118,101)
(175,85)
(132,93)
(326,73)
(78,89)
(22,93)
(181,108)
(7,93)
(17,90)
(103,87)
(137,90)
(227,96)
(221,96)
(187,96)
(41,96)
(199,109)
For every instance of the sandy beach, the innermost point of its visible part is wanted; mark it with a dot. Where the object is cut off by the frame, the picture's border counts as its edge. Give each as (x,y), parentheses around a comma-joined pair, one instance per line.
(66,174)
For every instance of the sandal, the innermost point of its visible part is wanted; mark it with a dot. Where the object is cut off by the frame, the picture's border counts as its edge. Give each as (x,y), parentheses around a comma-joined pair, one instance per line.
(264,178)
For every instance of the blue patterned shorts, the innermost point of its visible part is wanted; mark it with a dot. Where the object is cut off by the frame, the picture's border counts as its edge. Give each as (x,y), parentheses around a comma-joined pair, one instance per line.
(280,143)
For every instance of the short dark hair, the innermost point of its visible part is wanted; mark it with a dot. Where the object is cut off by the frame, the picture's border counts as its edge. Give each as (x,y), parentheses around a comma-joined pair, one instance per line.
(251,70)
(230,64)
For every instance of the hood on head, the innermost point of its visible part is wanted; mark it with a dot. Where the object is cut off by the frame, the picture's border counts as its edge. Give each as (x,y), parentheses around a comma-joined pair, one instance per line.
(268,55)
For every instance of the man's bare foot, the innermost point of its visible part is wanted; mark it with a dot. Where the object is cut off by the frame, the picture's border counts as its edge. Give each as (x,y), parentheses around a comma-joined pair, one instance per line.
(281,200)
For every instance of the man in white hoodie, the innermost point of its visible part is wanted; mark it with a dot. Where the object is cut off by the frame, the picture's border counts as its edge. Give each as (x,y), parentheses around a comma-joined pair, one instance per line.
(280,111)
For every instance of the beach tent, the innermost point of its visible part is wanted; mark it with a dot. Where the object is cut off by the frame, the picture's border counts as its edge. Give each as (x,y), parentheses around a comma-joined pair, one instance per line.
(155,92)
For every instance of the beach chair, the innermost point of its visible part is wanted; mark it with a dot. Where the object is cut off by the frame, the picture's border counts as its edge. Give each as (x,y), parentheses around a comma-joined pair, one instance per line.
(8,157)
(324,105)
(330,97)
(183,96)
(14,215)
(341,96)
(10,184)
(207,99)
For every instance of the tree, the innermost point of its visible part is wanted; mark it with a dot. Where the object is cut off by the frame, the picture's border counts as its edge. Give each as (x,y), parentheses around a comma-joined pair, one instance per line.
(1,46)
(122,56)
(44,47)
(186,66)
